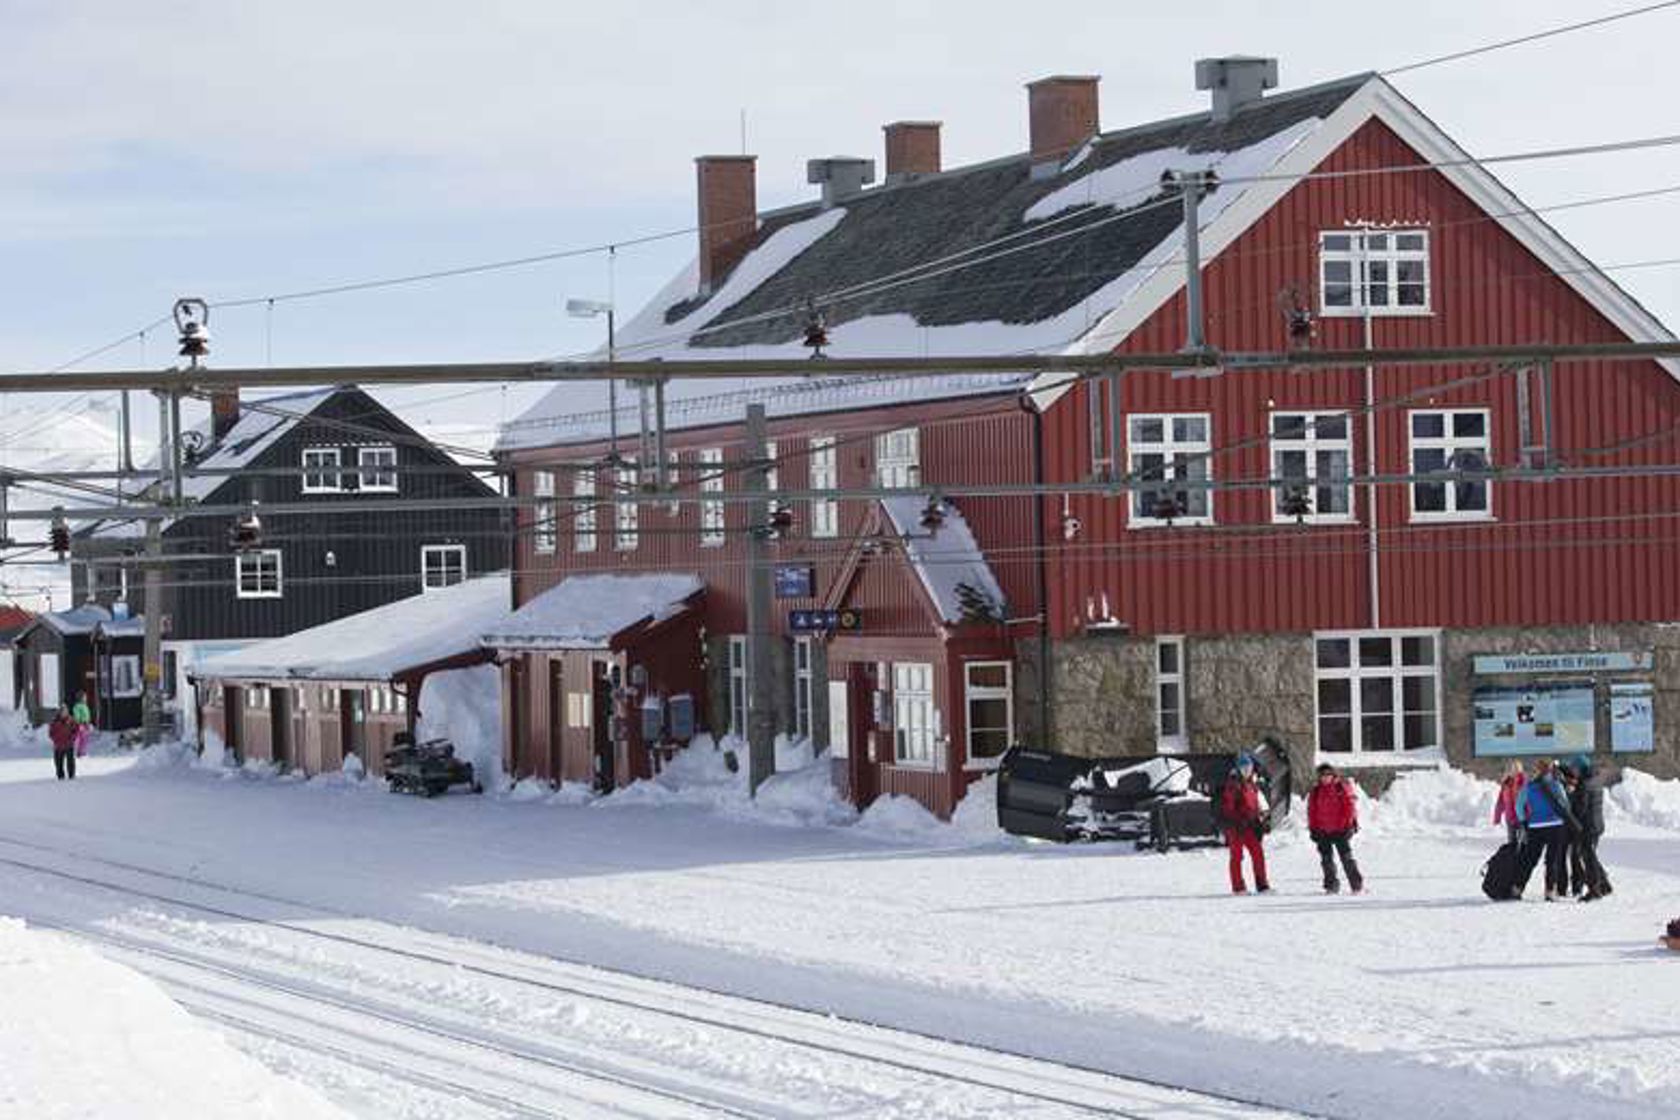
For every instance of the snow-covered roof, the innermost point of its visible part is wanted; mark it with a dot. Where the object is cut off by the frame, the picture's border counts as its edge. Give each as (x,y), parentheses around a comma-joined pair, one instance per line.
(124,628)
(586,611)
(376,645)
(988,259)
(84,619)
(948,561)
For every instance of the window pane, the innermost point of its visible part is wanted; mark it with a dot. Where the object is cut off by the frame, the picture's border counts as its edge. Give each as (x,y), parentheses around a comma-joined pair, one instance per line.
(1331,426)
(1338,242)
(988,744)
(1291,464)
(988,676)
(1418,694)
(1335,697)
(1288,425)
(1167,658)
(1409,241)
(1190,429)
(1169,723)
(1430,497)
(1376,651)
(1420,731)
(1417,651)
(1376,733)
(1335,734)
(1338,294)
(1149,429)
(1469,424)
(990,714)
(1376,695)
(1376,242)
(1471,497)
(1334,653)
(1411,295)
(1428,425)
(1170,698)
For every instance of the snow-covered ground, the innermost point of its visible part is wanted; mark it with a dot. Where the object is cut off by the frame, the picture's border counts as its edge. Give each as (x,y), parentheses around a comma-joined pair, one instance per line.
(460,956)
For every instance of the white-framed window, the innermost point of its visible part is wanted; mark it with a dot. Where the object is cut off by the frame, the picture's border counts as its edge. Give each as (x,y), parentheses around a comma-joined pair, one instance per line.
(1379,271)
(1313,451)
(125,676)
(1169,694)
(49,691)
(442,565)
(804,684)
(898,459)
(711,510)
(673,471)
(545,536)
(1377,691)
(583,511)
(627,511)
(1163,449)
(825,475)
(773,472)
(738,684)
(989,702)
(378,469)
(1451,439)
(256,575)
(320,470)
(300,700)
(913,713)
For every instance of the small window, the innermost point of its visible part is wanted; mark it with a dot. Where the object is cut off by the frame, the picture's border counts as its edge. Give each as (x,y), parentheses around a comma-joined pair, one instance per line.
(825,512)
(804,686)
(257,574)
(1312,458)
(1162,450)
(125,677)
(583,511)
(627,511)
(711,509)
(320,470)
(898,459)
(914,716)
(442,565)
(738,684)
(1377,272)
(544,535)
(378,469)
(1169,694)
(989,697)
(1446,440)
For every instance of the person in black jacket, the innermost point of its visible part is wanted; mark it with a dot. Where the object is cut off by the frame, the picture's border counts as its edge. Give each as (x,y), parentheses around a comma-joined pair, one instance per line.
(1587,804)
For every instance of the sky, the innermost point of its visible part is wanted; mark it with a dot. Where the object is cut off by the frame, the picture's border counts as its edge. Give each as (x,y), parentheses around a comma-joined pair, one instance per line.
(179,147)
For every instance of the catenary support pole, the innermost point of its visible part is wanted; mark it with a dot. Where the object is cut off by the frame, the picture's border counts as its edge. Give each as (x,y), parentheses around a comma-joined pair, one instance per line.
(761,713)
(151,655)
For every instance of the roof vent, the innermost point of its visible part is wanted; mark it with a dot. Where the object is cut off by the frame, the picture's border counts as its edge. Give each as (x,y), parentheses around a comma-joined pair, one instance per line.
(1236,81)
(840,176)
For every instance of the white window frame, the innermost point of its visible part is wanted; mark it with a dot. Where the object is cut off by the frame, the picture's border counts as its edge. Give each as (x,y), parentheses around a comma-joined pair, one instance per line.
(915,717)
(584,518)
(126,682)
(48,670)
(673,472)
(1396,673)
(825,475)
(258,559)
(712,525)
(1373,261)
(1451,445)
(1312,443)
(545,535)
(973,692)
(898,459)
(323,470)
(1172,448)
(804,686)
(436,556)
(377,469)
(1176,739)
(739,684)
(627,512)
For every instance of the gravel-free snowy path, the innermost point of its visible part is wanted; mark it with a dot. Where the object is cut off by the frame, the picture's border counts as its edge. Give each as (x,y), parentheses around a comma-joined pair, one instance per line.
(429,951)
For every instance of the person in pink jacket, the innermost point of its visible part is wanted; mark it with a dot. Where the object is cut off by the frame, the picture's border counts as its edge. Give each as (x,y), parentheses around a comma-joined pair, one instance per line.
(1510,794)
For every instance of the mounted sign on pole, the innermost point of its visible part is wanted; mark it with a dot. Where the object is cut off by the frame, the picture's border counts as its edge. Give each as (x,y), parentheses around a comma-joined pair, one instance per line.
(824,621)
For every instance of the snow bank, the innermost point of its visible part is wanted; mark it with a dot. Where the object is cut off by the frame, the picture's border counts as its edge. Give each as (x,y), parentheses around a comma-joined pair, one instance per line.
(1430,801)
(88,1037)
(1642,799)
(713,777)
(465,707)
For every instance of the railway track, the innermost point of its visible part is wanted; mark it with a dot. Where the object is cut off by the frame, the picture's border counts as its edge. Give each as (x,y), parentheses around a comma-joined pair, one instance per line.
(1018,1081)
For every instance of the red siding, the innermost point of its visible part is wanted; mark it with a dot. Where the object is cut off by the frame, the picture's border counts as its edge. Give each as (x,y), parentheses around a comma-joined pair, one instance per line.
(1526,568)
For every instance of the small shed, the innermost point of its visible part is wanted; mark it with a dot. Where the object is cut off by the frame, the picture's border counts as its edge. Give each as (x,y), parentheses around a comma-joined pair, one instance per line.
(87,650)
(346,687)
(602,676)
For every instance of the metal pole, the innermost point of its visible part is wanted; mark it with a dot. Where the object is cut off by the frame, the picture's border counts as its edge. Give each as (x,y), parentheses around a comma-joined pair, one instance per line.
(174,457)
(1374,562)
(666,480)
(1190,189)
(761,714)
(612,389)
(125,460)
(151,660)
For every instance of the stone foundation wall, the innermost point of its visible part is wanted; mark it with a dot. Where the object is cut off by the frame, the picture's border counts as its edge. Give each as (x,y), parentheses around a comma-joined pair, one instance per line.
(1104,696)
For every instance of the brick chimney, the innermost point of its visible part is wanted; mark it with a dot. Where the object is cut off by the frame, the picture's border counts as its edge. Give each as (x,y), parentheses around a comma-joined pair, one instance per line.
(1062,114)
(728,194)
(224,413)
(912,150)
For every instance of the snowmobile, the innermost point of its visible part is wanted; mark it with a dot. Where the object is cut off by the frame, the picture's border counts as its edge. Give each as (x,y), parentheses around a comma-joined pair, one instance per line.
(427,768)
(1156,801)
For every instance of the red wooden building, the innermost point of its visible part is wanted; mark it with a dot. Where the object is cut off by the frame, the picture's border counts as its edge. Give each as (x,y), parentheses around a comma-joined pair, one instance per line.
(1274,557)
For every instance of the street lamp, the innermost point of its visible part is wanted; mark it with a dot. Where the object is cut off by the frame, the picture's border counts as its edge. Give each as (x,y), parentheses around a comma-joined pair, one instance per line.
(589,309)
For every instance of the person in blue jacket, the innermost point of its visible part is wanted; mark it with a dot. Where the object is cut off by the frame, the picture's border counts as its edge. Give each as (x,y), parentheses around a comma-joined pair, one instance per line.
(1547,827)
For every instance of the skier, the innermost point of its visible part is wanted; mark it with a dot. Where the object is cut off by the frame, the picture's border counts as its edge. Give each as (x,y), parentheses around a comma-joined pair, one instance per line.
(1242,813)
(1510,793)
(84,722)
(62,732)
(1332,819)
(1548,824)
(1587,803)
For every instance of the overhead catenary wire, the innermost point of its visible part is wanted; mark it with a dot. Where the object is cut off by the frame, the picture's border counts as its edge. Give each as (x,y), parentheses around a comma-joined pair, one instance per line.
(1534,37)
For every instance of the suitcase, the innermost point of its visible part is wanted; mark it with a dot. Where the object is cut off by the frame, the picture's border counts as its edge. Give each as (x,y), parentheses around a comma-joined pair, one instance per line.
(1499,874)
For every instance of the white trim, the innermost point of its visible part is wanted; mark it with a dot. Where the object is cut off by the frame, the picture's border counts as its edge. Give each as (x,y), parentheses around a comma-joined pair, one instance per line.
(1378,100)
(898,458)
(909,702)
(1311,444)
(1171,449)
(804,686)
(1359,258)
(1179,740)
(627,514)
(239,561)
(377,470)
(332,469)
(1393,672)
(584,519)
(1450,444)
(971,693)
(427,551)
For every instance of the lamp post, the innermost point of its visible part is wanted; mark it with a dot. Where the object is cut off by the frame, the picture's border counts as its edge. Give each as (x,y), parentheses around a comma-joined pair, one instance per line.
(589,309)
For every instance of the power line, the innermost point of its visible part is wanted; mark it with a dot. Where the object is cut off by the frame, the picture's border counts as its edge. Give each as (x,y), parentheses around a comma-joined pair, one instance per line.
(1487,48)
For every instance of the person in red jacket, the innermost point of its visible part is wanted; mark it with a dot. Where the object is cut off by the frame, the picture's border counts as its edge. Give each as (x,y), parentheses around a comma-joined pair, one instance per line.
(62,732)
(1510,793)
(1332,819)
(1242,812)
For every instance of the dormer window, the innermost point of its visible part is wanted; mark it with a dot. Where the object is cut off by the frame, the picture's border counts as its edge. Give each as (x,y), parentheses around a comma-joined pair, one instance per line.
(378,468)
(320,470)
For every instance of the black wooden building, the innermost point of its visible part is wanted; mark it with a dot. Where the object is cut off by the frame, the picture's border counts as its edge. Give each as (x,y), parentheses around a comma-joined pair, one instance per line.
(335,450)
(85,652)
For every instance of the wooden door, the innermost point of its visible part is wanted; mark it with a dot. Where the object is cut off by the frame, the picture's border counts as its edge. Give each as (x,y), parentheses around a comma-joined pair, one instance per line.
(556,718)
(280,724)
(353,721)
(601,727)
(860,728)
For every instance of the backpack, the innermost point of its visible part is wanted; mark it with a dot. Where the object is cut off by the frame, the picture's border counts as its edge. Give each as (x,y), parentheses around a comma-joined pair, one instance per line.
(1216,807)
